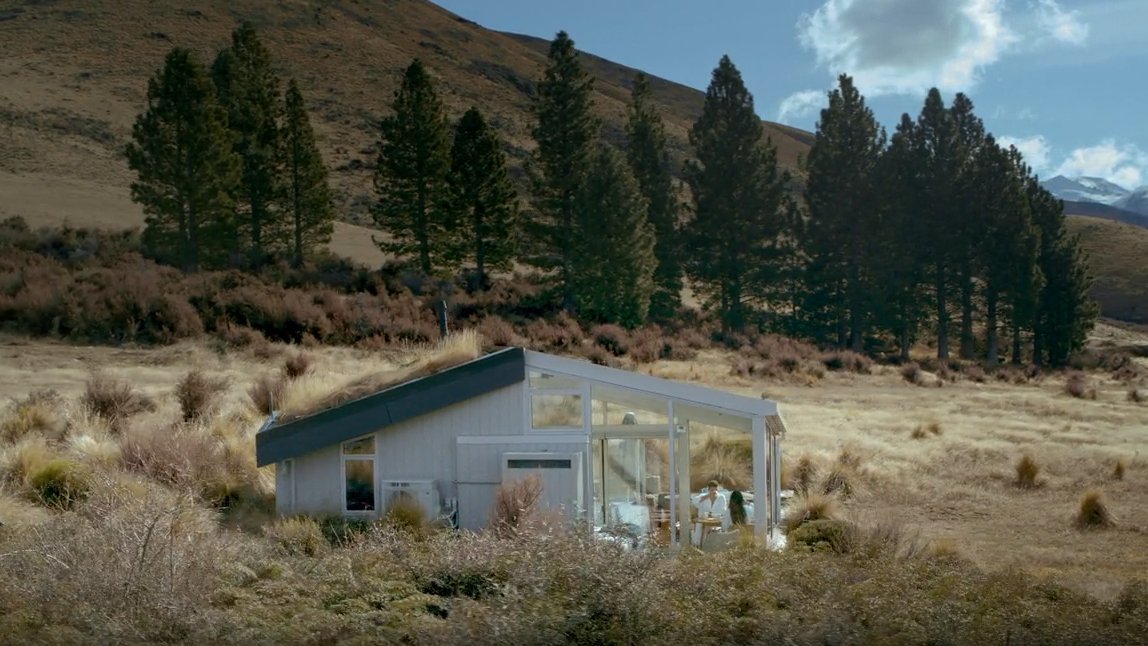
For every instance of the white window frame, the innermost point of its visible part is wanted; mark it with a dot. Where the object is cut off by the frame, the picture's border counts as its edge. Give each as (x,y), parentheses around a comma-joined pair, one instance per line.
(344,458)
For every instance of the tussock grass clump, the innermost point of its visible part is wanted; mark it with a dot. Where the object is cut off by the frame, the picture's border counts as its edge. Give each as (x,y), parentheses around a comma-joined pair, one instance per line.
(197,394)
(59,484)
(1136,396)
(912,373)
(931,429)
(974,372)
(36,413)
(1027,470)
(1077,386)
(803,475)
(1118,470)
(810,506)
(1094,513)
(297,365)
(514,502)
(406,514)
(841,479)
(496,331)
(297,536)
(266,394)
(848,361)
(114,400)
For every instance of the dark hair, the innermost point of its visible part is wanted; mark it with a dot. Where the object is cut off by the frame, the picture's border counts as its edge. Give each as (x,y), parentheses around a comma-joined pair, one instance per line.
(712,483)
(736,508)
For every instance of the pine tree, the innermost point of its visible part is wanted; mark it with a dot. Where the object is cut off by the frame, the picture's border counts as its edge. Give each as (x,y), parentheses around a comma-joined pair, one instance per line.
(411,178)
(938,160)
(186,170)
(484,204)
(646,151)
(565,132)
(308,195)
(738,197)
(614,263)
(839,239)
(901,269)
(249,90)
(967,226)
(1008,250)
(1065,312)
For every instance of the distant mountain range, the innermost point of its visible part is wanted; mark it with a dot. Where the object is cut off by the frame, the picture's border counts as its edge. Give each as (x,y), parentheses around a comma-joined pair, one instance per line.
(1100,198)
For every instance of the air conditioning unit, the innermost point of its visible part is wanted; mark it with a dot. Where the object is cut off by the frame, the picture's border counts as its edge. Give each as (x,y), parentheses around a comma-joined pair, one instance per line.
(560,473)
(424,492)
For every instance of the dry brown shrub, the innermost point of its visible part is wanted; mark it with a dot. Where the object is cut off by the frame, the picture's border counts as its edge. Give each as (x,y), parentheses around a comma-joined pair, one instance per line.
(804,474)
(925,430)
(36,413)
(841,479)
(1027,470)
(197,393)
(810,506)
(405,513)
(514,502)
(1094,514)
(1118,470)
(297,536)
(849,457)
(114,400)
(498,332)
(297,365)
(266,394)
(912,373)
(1135,395)
(613,338)
(975,373)
(1077,386)
(848,361)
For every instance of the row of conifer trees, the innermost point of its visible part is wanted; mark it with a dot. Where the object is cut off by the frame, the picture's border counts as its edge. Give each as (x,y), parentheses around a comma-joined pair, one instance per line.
(937,230)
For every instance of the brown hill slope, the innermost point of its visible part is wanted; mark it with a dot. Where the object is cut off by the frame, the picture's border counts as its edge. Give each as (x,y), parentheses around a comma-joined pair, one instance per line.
(1116,257)
(73,76)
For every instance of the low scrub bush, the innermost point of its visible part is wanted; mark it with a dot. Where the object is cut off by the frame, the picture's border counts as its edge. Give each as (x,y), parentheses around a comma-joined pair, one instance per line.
(1077,386)
(266,394)
(923,431)
(297,365)
(1136,396)
(406,514)
(197,394)
(612,338)
(820,535)
(39,412)
(297,536)
(1094,513)
(842,480)
(848,361)
(912,373)
(114,400)
(59,484)
(1027,471)
(804,474)
(810,506)
(514,502)
(1118,470)
(498,332)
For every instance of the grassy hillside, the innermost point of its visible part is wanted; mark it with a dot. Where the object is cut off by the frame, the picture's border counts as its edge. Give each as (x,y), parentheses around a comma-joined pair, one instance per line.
(1117,253)
(75,74)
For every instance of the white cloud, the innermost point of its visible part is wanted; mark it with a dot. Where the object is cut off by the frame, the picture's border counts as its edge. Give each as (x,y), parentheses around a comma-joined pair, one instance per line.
(1036,151)
(1064,26)
(800,104)
(907,46)
(1124,165)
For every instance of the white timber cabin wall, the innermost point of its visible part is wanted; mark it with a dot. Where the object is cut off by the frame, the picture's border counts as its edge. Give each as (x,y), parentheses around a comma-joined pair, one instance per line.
(417,449)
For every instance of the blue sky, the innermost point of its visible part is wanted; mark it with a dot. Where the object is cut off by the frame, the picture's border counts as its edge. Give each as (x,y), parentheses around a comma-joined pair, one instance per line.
(1066,81)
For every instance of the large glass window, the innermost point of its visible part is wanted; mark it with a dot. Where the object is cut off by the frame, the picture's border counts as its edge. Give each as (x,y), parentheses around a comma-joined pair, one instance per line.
(359,474)
(556,411)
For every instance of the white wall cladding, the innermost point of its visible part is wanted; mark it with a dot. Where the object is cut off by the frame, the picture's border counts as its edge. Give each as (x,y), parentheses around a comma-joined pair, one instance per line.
(318,482)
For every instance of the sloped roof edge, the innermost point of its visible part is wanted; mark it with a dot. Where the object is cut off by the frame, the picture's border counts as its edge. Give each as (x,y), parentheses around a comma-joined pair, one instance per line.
(277,442)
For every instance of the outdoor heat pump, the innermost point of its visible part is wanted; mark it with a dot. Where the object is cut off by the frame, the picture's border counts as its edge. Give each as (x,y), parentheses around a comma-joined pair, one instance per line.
(560,473)
(424,492)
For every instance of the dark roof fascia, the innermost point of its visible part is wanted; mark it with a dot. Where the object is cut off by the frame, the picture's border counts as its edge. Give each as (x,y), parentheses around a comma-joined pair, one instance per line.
(391,406)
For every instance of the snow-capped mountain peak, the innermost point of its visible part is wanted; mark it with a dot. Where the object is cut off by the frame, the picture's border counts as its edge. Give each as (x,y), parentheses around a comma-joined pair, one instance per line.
(1086,189)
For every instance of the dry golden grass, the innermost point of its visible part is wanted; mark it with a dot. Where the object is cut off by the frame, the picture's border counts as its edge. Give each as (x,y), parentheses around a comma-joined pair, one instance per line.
(514,502)
(1027,470)
(811,506)
(1118,470)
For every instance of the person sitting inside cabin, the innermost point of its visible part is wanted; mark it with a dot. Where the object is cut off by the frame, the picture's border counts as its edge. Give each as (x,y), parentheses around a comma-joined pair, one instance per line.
(737,515)
(711,505)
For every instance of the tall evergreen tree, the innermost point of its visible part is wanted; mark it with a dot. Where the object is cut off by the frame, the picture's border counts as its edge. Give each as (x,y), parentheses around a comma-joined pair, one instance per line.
(1065,312)
(650,162)
(1008,251)
(967,227)
(839,238)
(484,204)
(614,263)
(939,163)
(249,91)
(308,193)
(186,170)
(738,196)
(902,261)
(565,132)
(411,177)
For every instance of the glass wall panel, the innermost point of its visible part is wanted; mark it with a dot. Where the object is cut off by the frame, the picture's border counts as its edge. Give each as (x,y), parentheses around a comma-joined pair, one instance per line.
(556,411)
(360,484)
